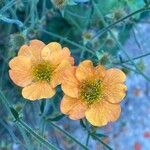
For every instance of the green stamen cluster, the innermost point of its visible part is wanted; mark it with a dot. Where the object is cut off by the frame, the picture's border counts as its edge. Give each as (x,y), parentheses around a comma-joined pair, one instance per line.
(91,91)
(43,72)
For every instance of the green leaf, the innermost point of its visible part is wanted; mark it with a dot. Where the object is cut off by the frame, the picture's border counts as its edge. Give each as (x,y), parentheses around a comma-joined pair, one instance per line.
(106,6)
(56,25)
(101,135)
(57,118)
(15,113)
(78,16)
(135,5)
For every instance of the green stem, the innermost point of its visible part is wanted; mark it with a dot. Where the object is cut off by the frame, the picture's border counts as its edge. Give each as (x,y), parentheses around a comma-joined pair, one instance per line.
(129,68)
(32,11)
(8,5)
(87,139)
(68,41)
(136,40)
(119,44)
(68,135)
(4,101)
(42,109)
(12,134)
(25,138)
(87,126)
(100,33)
(43,129)
(135,58)
(132,62)
(38,137)
(98,139)
(43,9)
(23,124)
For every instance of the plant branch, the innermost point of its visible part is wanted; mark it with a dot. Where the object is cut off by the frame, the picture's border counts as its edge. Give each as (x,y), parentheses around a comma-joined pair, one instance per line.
(68,135)
(19,121)
(100,33)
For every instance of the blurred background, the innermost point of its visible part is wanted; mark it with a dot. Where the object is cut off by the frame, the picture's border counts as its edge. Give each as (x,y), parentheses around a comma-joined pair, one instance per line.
(115,33)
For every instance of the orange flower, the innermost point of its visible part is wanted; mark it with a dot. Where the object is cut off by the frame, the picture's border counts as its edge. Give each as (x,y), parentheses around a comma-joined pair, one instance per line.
(93,92)
(38,68)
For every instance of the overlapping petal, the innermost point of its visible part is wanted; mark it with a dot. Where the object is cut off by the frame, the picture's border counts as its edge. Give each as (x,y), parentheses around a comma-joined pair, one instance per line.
(25,51)
(70,85)
(33,50)
(85,70)
(49,49)
(99,72)
(73,107)
(56,56)
(58,74)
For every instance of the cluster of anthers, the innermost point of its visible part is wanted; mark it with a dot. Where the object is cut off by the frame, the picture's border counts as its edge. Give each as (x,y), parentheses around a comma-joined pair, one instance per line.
(43,71)
(91,91)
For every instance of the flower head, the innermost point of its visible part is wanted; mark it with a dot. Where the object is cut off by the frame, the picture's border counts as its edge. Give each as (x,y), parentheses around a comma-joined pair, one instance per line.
(59,3)
(39,68)
(93,92)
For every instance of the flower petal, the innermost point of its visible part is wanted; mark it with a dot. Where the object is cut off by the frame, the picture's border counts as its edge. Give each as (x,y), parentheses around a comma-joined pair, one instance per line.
(25,51)
(20,72)
(99,114)
(20,63)
(73,107)
(85,70)
(66,54)
(58,74)
(70,84)
(33,50)
(38,90)
(113,87)
(114,76)
(100,72)
(54,46)
(49,49)
(20,78)
(57,56)
(114,93)
(36,48)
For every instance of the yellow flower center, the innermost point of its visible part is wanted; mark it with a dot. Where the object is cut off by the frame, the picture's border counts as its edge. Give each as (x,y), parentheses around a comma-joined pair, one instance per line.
(91,91)
(43,71)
